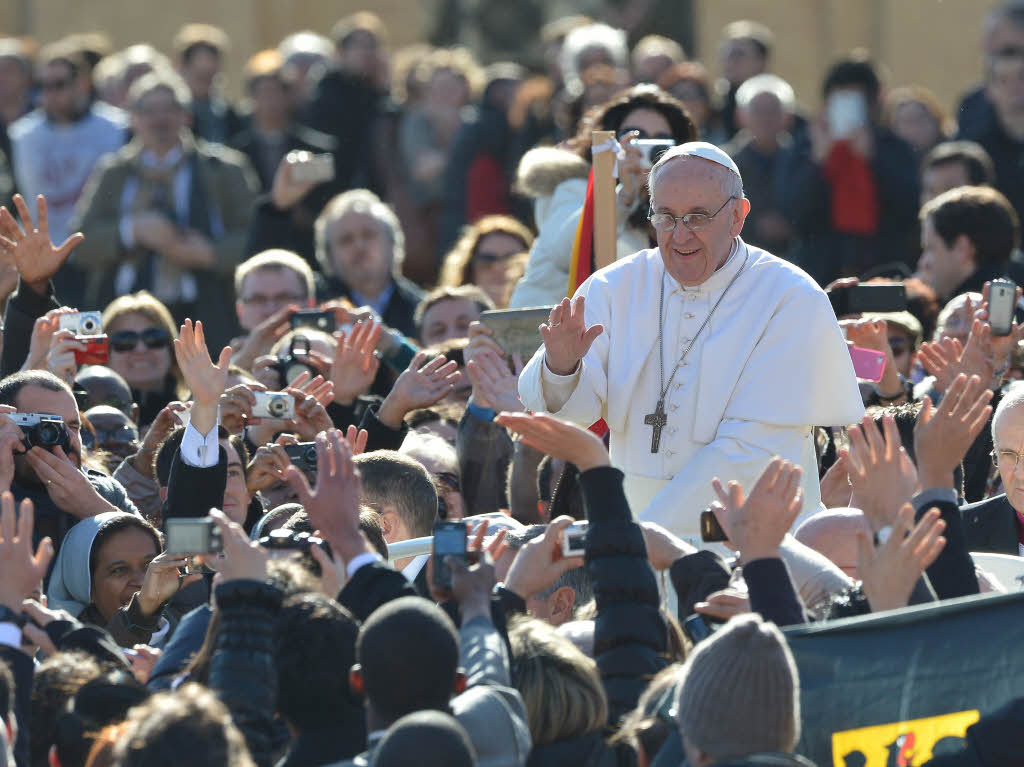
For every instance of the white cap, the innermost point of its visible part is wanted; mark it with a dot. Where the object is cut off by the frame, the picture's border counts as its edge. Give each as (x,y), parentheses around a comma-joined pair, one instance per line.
(700,149)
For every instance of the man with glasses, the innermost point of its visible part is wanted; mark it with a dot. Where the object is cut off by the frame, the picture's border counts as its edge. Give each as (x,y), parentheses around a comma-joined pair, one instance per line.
(54,148)
(268,288)
(705,357)
(997,524)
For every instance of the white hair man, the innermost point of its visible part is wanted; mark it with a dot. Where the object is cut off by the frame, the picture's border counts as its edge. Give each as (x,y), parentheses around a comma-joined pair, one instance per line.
(360,248)
(705,356)
(997,524)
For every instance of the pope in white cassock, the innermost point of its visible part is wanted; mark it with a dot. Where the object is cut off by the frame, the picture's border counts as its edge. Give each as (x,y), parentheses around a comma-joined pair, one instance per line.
(705,356)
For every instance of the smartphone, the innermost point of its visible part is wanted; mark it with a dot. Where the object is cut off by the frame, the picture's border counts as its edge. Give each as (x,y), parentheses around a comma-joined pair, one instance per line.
(846,111)
(311,318)
(1002,301)
(696,628)
(192,535)
(309,168)
(868,364)
(96,350)
(710,530)
(868,298)
(574,539)
(449,541)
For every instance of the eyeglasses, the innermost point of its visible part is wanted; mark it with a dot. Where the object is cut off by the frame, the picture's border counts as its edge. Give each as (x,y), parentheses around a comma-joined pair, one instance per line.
(490,259)
(1006,459)
(123,435)
(127,340)
(449,479)
(695,222)
(259,301)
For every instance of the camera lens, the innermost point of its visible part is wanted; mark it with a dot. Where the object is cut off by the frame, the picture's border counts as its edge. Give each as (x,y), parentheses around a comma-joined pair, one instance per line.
(309,456)
(87,327)
(47,434)
(276,406)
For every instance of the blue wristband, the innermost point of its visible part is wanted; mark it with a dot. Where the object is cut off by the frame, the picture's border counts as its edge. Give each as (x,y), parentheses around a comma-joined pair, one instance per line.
(483,413)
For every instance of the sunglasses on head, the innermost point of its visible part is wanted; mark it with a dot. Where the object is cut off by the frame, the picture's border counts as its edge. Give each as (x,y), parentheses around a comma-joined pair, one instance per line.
(127,340)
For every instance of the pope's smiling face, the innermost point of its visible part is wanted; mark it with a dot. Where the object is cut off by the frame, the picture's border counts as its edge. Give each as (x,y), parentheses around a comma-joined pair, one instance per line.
(695,185)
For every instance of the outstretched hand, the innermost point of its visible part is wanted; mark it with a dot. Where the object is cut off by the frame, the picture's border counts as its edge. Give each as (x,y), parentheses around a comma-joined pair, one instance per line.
(21,570)
(888,573)
(36,257)
(567,339)
(882,474)
(424,383)
(756,524)
(206,380)
(944,434)
(557,438)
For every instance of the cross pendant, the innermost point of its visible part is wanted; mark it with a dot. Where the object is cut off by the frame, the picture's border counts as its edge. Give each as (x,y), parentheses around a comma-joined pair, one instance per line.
(657,420)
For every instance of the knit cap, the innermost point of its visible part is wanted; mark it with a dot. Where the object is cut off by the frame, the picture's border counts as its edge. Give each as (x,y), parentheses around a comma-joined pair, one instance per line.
(740,693)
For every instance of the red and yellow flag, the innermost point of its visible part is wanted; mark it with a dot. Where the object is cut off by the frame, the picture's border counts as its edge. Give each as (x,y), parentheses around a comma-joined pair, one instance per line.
(581,265)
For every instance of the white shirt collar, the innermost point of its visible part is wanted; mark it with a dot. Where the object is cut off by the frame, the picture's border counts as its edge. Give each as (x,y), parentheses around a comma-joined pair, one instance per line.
(411,570)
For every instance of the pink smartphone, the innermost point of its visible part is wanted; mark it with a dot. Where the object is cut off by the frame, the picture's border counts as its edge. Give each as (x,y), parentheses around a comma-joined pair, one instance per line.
(868,364)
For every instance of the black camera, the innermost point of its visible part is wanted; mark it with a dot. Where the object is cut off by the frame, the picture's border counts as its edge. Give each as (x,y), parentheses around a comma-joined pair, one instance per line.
(284,542)
(294,362)
(41,430)
(302,456)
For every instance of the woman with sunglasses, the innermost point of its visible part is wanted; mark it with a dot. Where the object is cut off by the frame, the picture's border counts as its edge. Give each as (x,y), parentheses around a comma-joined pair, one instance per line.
(557,180)
(484,254)
(141,333)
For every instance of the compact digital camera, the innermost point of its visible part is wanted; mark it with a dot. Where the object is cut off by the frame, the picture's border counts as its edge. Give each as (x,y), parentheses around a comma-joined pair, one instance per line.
(292,363)
(83,323)
(574,542)
(42,430)
(274,404)
(192,535)
(302,456)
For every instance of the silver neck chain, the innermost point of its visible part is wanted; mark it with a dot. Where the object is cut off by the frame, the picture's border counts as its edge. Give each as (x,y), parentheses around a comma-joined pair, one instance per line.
(661,330)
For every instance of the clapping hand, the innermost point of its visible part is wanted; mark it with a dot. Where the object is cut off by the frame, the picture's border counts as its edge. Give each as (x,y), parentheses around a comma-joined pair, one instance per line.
(557,438)
(889,572)
(944,434)
(567,339)
(422,384)
(947,359)
(757,524)
(37,258)
(882,474)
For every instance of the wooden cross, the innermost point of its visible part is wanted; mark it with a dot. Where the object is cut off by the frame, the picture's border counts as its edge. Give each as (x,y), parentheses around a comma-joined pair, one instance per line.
(657,420)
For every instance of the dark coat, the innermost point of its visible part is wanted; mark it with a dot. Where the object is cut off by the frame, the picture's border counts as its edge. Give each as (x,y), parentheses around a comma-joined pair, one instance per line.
(590,750)
(400,309)
(991,526)
(1007,155)
(803,195)
(250,143)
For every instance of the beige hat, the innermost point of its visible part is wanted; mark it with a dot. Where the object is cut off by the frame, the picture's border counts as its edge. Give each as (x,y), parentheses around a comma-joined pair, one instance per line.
(740,693)
(905,320)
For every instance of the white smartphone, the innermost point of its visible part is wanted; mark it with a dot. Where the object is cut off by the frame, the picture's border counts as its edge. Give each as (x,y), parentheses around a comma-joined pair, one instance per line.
(1002,300)
(846,111)
(309,168)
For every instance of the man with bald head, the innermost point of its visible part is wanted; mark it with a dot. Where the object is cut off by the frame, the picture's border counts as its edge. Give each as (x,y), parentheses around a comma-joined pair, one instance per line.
(705,356)
(833,533)
(997,524)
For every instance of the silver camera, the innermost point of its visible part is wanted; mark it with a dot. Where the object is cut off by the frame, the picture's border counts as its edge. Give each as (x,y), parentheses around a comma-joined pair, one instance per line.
(41,430)
(83,323)
(652,148)
(274,404)
(574,539)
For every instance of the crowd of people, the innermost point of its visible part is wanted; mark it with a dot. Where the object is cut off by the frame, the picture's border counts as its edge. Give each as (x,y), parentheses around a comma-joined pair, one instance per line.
(257,326)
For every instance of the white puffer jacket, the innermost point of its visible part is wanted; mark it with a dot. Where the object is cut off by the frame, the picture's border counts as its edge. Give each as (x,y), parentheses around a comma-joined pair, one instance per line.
(557,180)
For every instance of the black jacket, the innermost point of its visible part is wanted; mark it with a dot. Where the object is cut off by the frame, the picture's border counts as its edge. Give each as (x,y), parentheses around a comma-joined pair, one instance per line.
(250,143)
(485,452)
(995,739)
(991,525)
(315,748)
(242,671)
(24,307)
(1007,155)
(590,750)
(630,636)
(372,586)
(191,491)
(952,573)
(400,309)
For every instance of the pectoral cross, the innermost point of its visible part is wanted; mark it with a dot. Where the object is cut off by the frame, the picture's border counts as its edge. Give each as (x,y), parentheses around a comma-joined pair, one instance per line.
(657,420)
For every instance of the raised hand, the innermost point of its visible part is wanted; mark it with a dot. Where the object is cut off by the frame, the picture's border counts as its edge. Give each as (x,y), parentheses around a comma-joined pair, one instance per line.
(236,406)
(567,339)
(835,486)
(757,524)
(357,439)
(42,330)
(557,438)
(267,467)
(663,548)
(422,384)
(21,570)
(882,474)
(262,337)
(943,435)
(947,359)
(333,506)
(240,558)
(1002,346)
(37,258)
(61,358)
(65,483)
(206,380)
(311,398)
(10,445)
(481,338)
(355,364)
(494,385)
(161,428)
(888,573)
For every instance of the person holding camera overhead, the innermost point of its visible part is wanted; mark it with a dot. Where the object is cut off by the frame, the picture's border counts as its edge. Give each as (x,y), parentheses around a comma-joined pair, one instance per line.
(696,353)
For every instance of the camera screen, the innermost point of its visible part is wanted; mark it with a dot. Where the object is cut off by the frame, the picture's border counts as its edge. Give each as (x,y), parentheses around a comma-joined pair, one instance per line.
(190,537)
(577,541)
